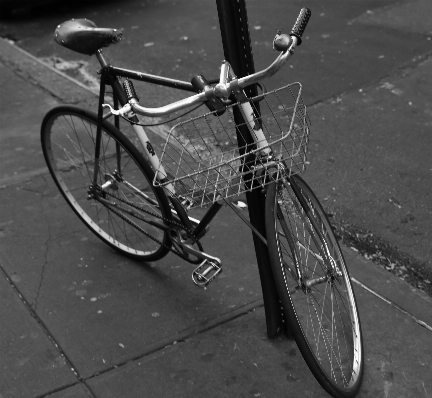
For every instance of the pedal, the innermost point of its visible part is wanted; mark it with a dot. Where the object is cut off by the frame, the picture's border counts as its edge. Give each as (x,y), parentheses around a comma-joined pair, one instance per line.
(205,273)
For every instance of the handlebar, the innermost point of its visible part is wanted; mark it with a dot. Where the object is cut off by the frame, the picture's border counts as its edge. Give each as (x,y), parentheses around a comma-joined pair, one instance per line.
(228,81)
(287,49)
(301,23)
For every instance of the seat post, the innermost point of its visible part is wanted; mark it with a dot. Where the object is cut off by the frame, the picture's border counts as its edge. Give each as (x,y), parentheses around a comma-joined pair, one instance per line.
(100,57)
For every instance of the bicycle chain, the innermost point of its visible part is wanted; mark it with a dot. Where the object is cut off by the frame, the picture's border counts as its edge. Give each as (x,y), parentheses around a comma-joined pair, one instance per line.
(164,219)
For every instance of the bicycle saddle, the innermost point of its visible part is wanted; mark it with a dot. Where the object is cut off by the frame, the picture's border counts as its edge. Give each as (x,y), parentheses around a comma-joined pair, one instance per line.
(84,37)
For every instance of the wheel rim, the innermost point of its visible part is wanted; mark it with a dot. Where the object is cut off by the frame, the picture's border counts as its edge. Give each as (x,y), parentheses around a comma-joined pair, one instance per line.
(326,308)
(69,147)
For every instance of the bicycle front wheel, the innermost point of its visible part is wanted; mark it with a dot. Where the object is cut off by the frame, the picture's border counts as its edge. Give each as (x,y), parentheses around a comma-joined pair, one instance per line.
(121,205)
(314,286)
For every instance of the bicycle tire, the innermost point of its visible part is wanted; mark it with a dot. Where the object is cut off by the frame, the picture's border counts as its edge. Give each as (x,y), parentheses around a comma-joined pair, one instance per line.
(68,136)
(320,309)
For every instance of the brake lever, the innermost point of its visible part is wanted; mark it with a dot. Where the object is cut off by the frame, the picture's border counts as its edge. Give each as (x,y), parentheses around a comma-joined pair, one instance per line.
(119,112)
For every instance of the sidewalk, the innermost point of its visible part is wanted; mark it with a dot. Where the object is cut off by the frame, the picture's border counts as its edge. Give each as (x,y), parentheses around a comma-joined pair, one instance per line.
(79,320)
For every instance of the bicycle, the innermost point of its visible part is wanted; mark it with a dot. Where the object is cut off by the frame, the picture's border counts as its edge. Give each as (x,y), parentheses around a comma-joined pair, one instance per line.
(138,202)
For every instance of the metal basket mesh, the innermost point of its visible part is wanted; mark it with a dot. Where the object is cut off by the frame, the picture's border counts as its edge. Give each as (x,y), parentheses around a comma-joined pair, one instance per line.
(204,162)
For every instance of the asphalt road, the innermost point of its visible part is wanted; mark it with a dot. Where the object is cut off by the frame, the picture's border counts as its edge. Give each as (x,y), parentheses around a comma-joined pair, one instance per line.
(349,47)
(182,38)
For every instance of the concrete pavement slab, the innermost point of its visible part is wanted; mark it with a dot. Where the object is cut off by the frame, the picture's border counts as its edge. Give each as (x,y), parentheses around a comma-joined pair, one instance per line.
(76,391)
(394,289)
(31,365)
(22,108)
(236,359)
(33,70)
(398,351)
(105,309)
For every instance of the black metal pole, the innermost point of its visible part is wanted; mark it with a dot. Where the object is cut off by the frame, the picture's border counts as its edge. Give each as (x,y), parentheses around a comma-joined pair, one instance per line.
(238,52)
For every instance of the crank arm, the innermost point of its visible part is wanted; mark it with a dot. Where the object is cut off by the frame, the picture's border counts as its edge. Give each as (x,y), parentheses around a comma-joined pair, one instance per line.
(199,254)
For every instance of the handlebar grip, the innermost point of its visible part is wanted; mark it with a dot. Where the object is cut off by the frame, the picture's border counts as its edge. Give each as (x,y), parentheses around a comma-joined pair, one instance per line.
(129,88)
(300,25)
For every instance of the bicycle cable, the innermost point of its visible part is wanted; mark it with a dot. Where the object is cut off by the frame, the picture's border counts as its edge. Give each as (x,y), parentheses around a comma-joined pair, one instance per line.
(164,122)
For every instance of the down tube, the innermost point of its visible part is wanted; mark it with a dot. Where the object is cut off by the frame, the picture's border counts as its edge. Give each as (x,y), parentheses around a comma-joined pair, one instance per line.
(152,156)
(254,127)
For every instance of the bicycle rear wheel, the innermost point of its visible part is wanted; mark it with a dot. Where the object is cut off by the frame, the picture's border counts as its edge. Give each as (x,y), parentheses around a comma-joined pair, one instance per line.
(314,286)
(121,213)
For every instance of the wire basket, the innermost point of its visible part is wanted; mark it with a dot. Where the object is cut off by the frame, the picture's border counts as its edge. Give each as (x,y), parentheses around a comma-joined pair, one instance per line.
(206,159)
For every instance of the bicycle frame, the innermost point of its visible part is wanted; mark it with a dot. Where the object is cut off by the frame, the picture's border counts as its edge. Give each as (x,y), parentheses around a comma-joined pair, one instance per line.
(228,84)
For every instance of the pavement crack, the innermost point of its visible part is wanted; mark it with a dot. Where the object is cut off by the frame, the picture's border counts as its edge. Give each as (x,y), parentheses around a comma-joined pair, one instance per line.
(183,336)
(394,305)
(46,251)
(48,334)
(42,273)
(30,190)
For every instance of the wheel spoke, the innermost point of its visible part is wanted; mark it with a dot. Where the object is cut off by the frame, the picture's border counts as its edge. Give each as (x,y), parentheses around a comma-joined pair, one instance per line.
(321,298)
(69,140)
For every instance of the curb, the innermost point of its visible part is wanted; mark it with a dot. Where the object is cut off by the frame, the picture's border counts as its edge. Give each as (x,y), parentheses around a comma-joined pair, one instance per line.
(389,288)
(57,83)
